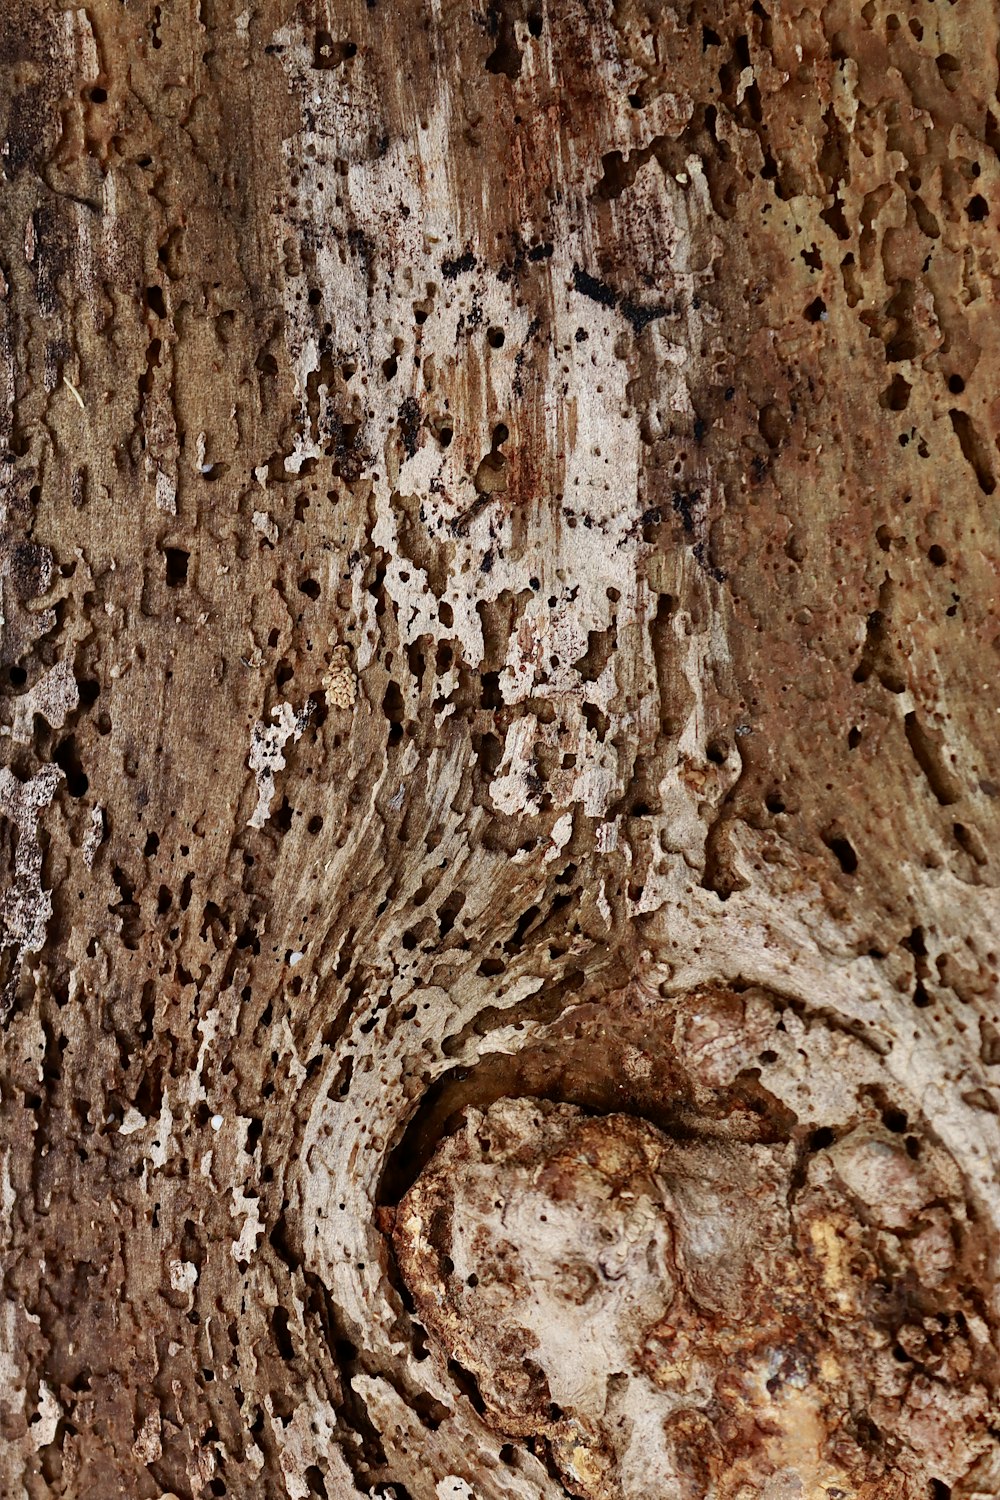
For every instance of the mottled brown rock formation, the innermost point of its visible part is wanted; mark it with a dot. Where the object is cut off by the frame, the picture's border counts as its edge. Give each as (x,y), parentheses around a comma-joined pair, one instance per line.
(499,752)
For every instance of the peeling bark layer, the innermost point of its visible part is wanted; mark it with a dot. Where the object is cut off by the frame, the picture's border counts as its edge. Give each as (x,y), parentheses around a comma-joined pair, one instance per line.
(499,567)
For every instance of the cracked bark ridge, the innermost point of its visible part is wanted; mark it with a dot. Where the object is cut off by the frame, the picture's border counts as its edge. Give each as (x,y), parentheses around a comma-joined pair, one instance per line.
(498,568)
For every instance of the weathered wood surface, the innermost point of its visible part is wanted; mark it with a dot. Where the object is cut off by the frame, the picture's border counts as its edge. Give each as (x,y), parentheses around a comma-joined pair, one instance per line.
(499,585)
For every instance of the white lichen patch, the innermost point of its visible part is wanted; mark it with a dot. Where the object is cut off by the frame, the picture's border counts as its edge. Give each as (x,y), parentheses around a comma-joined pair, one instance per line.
(244,1248)
(265,523)
(46,1421)
(183,1275)
(539,499)
(54,696)
(266,758)
(94,836)
(148,1445)
(132,1121)
(166,493)
(25,907)
(310,1435)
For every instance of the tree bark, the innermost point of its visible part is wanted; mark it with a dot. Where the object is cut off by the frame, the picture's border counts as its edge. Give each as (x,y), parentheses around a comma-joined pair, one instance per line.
(500,761)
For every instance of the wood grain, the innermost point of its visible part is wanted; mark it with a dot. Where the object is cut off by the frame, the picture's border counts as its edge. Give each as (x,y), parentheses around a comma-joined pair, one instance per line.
(499,573)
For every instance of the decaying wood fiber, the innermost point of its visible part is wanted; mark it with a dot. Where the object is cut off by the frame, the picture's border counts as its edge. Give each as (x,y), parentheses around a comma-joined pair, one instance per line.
(499,735)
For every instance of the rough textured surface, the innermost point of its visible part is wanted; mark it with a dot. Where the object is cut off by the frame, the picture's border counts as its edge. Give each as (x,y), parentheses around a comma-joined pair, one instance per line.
(725,1311)
(498,570)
